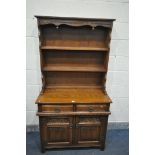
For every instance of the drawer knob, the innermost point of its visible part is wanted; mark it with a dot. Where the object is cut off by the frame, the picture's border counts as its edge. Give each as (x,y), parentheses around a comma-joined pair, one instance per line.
(57,110)
(90,109)
(77,126)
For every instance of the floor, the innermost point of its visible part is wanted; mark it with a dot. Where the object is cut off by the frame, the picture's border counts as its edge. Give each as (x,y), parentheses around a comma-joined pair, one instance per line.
(117,143)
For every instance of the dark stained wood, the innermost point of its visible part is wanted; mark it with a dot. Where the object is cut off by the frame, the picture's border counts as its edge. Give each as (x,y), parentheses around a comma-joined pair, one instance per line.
(73,106)
(72,113)
(56,108)
(57,130)
(88,130)
(93,108)
(104,122)
(42,138)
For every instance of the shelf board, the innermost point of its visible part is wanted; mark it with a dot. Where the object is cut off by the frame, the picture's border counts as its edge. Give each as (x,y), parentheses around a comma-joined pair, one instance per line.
(71,67)
(71,86)
(75,48)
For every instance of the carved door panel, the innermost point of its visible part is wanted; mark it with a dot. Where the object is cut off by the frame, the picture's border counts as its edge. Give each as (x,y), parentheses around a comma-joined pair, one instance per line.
(57,131)
(88,130)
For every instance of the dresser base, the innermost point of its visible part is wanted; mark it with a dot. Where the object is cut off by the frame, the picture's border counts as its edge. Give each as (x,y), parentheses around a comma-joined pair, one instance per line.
(72,147)
(57,132)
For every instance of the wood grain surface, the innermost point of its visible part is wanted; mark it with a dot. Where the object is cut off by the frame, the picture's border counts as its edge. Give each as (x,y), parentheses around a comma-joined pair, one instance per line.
(73,96)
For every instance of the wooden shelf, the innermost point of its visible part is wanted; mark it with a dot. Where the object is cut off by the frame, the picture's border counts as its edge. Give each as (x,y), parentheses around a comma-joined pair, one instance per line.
(75,48)
(74,67)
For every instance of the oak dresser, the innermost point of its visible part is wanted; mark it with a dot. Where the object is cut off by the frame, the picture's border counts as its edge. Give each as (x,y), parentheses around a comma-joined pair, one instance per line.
(73,105)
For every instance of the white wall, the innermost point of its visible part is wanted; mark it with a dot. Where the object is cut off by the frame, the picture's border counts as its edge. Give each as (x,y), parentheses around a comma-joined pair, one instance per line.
(117,84)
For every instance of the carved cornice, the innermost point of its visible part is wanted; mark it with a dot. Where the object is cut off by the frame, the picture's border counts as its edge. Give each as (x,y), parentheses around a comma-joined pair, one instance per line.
(76,23)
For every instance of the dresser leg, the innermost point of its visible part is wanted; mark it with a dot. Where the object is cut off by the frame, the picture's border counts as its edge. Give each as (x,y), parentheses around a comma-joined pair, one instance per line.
(104,121)
(42,149)
(102,147)
(41,135)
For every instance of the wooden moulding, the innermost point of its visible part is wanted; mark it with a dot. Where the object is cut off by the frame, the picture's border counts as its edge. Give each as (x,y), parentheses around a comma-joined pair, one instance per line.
(58,21)
(72,113)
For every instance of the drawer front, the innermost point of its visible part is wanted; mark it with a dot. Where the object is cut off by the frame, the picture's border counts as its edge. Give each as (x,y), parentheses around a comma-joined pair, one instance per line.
(57,108)
(92,108)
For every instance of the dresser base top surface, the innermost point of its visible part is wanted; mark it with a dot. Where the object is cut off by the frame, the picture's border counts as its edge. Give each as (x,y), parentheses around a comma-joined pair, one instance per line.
(75,95)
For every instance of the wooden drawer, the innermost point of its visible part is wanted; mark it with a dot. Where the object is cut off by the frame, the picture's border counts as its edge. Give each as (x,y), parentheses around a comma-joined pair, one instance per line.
(56,108)
(92,108)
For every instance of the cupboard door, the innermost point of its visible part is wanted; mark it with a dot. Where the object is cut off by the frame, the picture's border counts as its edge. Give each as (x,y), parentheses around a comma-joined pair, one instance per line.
(88,130)
(57,131)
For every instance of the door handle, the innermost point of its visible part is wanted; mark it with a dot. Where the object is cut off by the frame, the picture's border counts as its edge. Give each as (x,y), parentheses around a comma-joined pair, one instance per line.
(90,109)
(77,126)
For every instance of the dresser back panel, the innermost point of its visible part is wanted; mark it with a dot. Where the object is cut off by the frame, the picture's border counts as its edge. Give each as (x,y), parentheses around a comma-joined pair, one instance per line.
(73,58)
(73,79)
(70,36)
